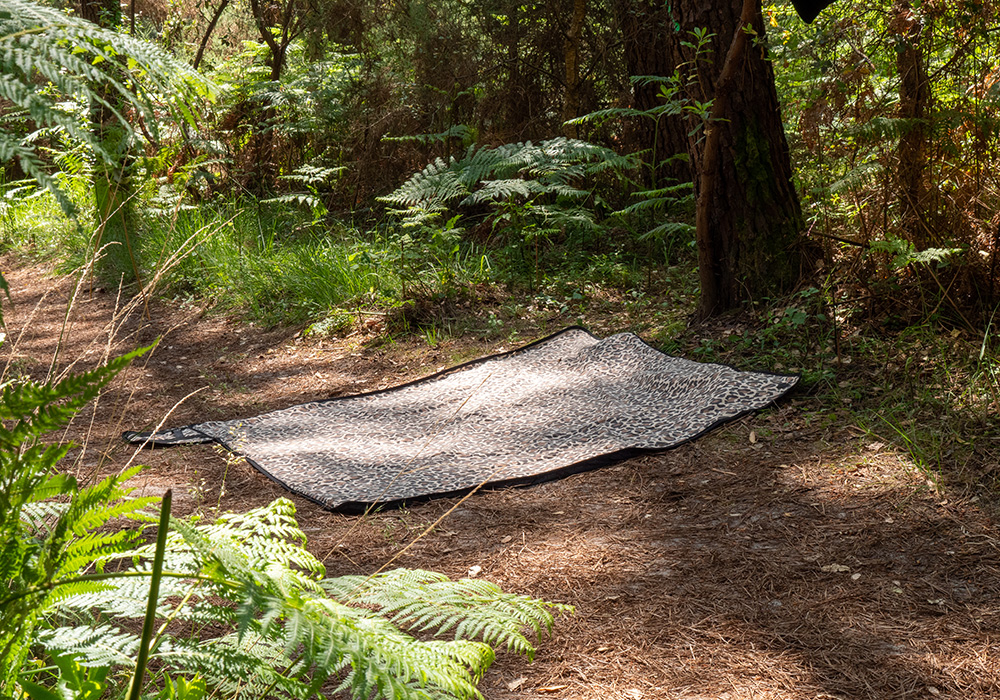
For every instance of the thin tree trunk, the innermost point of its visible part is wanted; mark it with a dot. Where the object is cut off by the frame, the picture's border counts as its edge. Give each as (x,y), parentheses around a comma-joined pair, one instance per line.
(208,33)
(571,106)
(518,112)
(646,27)
(113,245)
(914,99)
(262,172)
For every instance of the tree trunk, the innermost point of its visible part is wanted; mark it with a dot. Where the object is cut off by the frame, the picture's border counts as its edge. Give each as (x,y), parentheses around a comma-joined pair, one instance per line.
(571,50)
(260,179)
(208,33)
(748,219)
(646,26)
(113,246)
(914,98)
(517,84)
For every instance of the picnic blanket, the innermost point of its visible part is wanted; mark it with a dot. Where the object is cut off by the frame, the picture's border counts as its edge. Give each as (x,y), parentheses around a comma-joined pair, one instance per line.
(563,404)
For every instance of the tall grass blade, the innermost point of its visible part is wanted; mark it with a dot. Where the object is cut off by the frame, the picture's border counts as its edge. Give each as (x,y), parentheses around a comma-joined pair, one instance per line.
(148,623)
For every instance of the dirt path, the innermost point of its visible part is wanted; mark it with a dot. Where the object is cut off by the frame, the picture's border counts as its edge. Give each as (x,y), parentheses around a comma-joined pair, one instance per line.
(784,556)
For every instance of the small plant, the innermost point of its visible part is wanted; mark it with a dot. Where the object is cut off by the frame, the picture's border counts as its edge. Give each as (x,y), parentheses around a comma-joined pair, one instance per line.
(314,181)
(513,173)
(51,531)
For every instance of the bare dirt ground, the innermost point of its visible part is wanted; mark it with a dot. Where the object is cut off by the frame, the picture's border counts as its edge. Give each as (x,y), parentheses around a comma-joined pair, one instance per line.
(784,556)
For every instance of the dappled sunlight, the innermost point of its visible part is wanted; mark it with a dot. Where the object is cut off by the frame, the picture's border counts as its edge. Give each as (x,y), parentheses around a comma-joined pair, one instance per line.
(791,554)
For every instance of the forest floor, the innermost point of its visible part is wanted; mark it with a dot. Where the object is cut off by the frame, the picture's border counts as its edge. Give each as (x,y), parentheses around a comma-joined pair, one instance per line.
(786,555)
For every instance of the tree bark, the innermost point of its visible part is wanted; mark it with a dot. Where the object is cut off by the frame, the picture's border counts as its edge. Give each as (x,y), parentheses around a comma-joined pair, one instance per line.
(571,46)
(208,33)
(646,27)
(289,17)
(114,258)
(914,99)
(748,217)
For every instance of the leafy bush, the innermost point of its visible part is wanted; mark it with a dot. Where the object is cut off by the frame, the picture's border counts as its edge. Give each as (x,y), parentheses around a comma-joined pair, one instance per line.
(544,174)
(528,194)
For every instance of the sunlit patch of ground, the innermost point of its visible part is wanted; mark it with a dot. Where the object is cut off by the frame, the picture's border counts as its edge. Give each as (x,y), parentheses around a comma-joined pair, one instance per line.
(789,555)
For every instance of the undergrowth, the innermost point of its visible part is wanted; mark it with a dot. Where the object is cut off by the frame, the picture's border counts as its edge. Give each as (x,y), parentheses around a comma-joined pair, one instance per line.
(929,392)
(277,262)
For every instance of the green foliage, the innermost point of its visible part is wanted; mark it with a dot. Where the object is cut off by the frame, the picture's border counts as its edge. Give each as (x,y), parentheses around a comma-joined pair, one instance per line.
(270,261)
(664,210)
(51,64)
(424,601)
(516,172)
(525,193)
(793,334)
(287,630)
(903,253)
(50,529)
(314,180)
(841,85)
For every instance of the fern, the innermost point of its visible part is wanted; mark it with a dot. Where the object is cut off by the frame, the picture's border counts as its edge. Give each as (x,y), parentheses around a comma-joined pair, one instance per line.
(427,601)
(290,630)
(68,57)
(904,253)
(42,547)
(672,200)
(458,131)
(515,172)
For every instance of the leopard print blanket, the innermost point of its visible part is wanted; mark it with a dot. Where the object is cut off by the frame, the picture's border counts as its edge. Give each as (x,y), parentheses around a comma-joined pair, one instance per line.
(564,404)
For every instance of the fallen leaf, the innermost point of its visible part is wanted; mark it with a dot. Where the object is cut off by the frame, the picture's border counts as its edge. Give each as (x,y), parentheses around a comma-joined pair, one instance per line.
(550,688)
(753,437)
(506,539)
(516,683)
(835,569)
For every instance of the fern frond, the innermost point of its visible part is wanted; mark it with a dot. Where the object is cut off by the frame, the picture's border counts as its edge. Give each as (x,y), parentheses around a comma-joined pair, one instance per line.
(499,190)
(512,172)
(669,228)
(44,548)
(858,176)
(40,45)
(103,645)
(427,601)
(458,131)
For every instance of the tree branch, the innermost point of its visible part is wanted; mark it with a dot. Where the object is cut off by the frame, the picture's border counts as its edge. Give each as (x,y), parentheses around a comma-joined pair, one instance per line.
(208,32)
